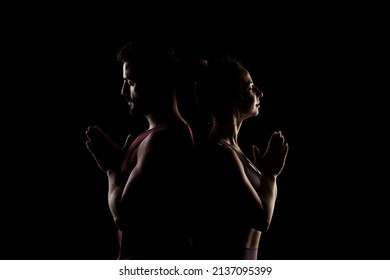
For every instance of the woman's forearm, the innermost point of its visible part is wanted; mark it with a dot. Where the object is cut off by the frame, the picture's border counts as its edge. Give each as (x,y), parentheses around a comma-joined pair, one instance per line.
(268,194)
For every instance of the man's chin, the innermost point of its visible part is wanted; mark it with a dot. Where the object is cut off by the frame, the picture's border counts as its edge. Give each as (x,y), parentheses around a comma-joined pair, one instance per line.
(135,112)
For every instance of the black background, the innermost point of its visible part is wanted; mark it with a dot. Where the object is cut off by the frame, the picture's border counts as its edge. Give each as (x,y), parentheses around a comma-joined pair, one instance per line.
(321,71)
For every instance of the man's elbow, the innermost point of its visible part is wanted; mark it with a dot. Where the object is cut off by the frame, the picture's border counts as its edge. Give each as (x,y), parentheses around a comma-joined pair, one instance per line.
(118,222)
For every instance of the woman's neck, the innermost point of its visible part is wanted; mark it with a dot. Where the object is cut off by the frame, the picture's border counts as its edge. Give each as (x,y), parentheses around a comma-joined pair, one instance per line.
(226,131)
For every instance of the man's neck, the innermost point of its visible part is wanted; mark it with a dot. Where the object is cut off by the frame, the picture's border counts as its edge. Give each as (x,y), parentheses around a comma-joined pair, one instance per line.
(170,114)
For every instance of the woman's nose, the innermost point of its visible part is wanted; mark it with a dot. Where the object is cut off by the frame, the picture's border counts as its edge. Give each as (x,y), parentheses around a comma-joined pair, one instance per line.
(259,93)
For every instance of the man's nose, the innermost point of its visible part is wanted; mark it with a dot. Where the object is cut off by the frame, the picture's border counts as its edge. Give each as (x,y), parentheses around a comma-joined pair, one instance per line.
(125,89)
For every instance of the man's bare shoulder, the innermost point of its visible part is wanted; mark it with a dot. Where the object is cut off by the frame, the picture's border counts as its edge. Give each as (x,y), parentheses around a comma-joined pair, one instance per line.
(175,136)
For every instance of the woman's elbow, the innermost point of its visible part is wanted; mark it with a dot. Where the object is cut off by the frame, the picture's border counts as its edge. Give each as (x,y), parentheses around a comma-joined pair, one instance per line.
(260,221)
(261,225)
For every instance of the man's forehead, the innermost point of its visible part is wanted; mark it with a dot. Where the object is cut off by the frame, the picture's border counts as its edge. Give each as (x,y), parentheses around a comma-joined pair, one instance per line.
(138,72)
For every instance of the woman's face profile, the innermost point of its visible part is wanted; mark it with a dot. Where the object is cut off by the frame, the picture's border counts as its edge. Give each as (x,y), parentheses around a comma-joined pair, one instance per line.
(250,104)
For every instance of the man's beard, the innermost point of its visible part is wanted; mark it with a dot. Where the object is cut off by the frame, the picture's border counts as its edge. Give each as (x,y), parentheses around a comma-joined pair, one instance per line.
(137,110)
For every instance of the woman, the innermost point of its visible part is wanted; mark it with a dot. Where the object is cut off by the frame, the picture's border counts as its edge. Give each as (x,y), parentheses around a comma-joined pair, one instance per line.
(235,197)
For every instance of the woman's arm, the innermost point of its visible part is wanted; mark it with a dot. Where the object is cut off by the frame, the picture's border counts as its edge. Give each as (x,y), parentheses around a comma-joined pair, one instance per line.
(270,165)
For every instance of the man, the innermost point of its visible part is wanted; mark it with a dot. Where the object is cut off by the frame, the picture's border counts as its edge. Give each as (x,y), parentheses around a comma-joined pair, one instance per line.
(148,177)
